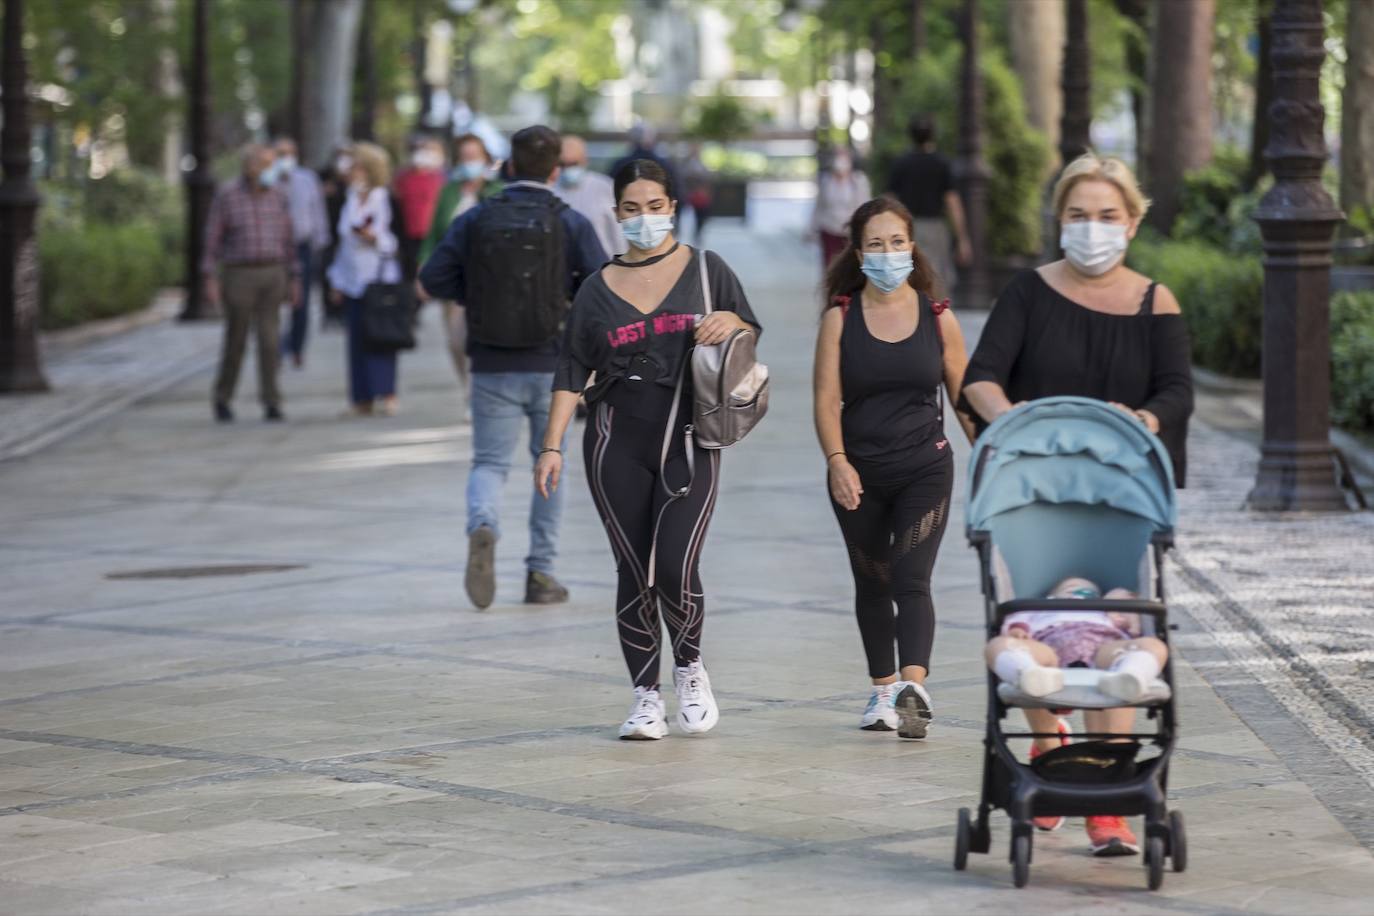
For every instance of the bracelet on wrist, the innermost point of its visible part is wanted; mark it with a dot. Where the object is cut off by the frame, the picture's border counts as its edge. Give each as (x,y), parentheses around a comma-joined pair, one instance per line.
(557,451)
(831,456)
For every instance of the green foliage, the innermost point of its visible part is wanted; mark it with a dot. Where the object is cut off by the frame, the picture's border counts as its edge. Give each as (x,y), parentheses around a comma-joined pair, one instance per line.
(1017,154)
(1352,360)
(1221,295)
(1215,208)
(105,247)
(96,270)
(721,118)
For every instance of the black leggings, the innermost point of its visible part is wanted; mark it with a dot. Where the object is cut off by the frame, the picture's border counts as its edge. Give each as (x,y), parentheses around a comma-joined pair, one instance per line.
(623,452)
(893,538)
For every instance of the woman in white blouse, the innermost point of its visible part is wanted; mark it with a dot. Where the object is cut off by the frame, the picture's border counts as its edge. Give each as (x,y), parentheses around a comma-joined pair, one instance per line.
(840,190)
(366,254)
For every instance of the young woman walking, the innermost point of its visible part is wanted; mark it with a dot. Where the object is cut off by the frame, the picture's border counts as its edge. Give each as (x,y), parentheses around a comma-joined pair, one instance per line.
(884,350)
(633,323)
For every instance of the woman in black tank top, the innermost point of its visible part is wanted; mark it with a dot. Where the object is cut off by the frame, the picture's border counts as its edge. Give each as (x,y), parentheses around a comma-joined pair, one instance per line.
(884,350)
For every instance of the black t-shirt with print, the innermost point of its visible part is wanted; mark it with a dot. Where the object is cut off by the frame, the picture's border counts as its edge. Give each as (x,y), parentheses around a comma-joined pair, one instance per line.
(609,336)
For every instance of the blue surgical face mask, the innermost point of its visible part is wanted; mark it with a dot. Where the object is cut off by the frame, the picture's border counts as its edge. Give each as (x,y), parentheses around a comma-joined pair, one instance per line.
(268,176)
(286,165)
(887,269)
(572,175)
(470,170)
(647,230)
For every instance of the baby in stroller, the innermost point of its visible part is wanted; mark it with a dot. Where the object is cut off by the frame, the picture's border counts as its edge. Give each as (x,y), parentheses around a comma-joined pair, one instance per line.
(1035,647)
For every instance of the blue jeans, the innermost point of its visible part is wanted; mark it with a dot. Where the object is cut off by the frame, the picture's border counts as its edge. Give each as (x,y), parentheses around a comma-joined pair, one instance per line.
(501,403)
(371,375)
(294,340)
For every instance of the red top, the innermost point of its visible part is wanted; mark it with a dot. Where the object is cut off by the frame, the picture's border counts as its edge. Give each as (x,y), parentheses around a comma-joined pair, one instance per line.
(417,190)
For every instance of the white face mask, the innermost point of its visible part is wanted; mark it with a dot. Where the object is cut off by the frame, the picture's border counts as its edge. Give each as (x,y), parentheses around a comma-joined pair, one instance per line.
(647,230)
(1093,247)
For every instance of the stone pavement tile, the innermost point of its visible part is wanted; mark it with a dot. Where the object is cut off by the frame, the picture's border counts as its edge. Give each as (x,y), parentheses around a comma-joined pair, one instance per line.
(58,834)
(1249,897)
(254,833)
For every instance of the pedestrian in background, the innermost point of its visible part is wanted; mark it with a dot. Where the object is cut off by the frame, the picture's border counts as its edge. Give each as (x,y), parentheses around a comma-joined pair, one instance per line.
(589,193)
(416,191)
(840,190)
(250,265)
(367,254)
(699,184)
(310,232)
(884,351)
(334,178)
(644,145)
(923,180)
(469,183)
(514,261)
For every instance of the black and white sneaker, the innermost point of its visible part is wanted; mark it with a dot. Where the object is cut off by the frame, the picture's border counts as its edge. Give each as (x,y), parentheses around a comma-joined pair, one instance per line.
(696,705)
(648,719)
(913,710)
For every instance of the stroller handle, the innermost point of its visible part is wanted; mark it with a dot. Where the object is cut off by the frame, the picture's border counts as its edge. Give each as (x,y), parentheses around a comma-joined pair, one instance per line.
(1153,609)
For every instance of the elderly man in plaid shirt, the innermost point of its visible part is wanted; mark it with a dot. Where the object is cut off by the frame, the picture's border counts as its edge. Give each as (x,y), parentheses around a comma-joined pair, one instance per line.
(250,264)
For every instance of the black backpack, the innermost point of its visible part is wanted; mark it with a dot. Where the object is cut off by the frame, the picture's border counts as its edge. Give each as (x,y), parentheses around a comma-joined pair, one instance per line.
(517,273)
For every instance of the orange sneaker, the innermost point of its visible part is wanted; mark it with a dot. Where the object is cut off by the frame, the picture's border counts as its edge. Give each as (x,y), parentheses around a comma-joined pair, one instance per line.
(1110,836)
(1051,822)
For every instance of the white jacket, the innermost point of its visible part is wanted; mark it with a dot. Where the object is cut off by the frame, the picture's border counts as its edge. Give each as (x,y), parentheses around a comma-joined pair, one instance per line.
(358,263)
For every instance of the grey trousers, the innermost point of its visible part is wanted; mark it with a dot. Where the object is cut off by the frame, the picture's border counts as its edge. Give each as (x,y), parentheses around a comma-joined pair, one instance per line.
(251,296)
(936,243)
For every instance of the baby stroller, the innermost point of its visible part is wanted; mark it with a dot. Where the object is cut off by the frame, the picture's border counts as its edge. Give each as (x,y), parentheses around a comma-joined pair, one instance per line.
(1064,487)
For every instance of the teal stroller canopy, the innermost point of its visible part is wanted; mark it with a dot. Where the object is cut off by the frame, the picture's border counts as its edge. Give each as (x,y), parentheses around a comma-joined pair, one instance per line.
(1070,450)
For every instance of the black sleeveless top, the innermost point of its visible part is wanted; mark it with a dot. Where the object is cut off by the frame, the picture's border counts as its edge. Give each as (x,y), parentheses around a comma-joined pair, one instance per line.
(892,419)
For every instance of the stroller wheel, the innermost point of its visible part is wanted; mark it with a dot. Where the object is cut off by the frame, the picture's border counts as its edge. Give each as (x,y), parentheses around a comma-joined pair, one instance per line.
(1178,841)
(1154,861)
(1020,859)
(962,838)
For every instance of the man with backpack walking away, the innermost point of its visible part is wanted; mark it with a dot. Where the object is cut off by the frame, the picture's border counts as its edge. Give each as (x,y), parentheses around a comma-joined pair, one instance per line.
(514,261)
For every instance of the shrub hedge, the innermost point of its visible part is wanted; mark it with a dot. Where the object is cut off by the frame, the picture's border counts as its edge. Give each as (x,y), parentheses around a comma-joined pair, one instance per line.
(105,247)
(1222,298)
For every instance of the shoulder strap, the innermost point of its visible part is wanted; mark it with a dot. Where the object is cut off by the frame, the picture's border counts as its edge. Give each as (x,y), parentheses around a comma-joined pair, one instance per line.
(937,309)
(842,302)
(1147,304)
(705,279)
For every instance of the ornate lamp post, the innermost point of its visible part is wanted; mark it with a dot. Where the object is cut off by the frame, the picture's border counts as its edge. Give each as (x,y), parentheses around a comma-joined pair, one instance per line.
(973,170)
(1076,122)
(1297,218)
(19,364)
(200,184)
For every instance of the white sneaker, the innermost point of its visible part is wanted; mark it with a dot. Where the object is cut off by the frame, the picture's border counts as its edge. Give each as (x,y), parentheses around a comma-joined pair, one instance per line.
(648,717)
(880,715)
(913,709)
(1122,685)
(696,705)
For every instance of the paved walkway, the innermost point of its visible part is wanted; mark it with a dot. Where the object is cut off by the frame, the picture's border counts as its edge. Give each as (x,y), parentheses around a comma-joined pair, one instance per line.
(346,735)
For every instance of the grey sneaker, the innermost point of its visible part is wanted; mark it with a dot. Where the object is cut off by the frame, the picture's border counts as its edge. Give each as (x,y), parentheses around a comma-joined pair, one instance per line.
(913,710)
(542,588)
(481,577)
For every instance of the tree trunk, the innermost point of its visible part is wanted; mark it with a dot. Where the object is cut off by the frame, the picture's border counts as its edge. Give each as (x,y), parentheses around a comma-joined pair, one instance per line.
(1181,89)
(1075,128)
(1037,54)
(331,42)
(1138,65)
(1357,109)
(365,77)
(296,107)
(1264,97)
(916,11)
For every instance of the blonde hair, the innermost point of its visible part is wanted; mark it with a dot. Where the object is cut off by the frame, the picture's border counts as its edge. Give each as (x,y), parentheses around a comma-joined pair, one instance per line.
(1092,167)
(374,162)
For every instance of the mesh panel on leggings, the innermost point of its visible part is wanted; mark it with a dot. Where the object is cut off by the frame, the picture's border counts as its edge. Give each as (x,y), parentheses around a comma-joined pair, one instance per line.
(918,533)
(868,567)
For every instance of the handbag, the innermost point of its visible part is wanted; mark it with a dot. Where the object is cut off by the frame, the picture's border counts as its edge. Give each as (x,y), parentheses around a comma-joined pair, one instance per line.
(388,312)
